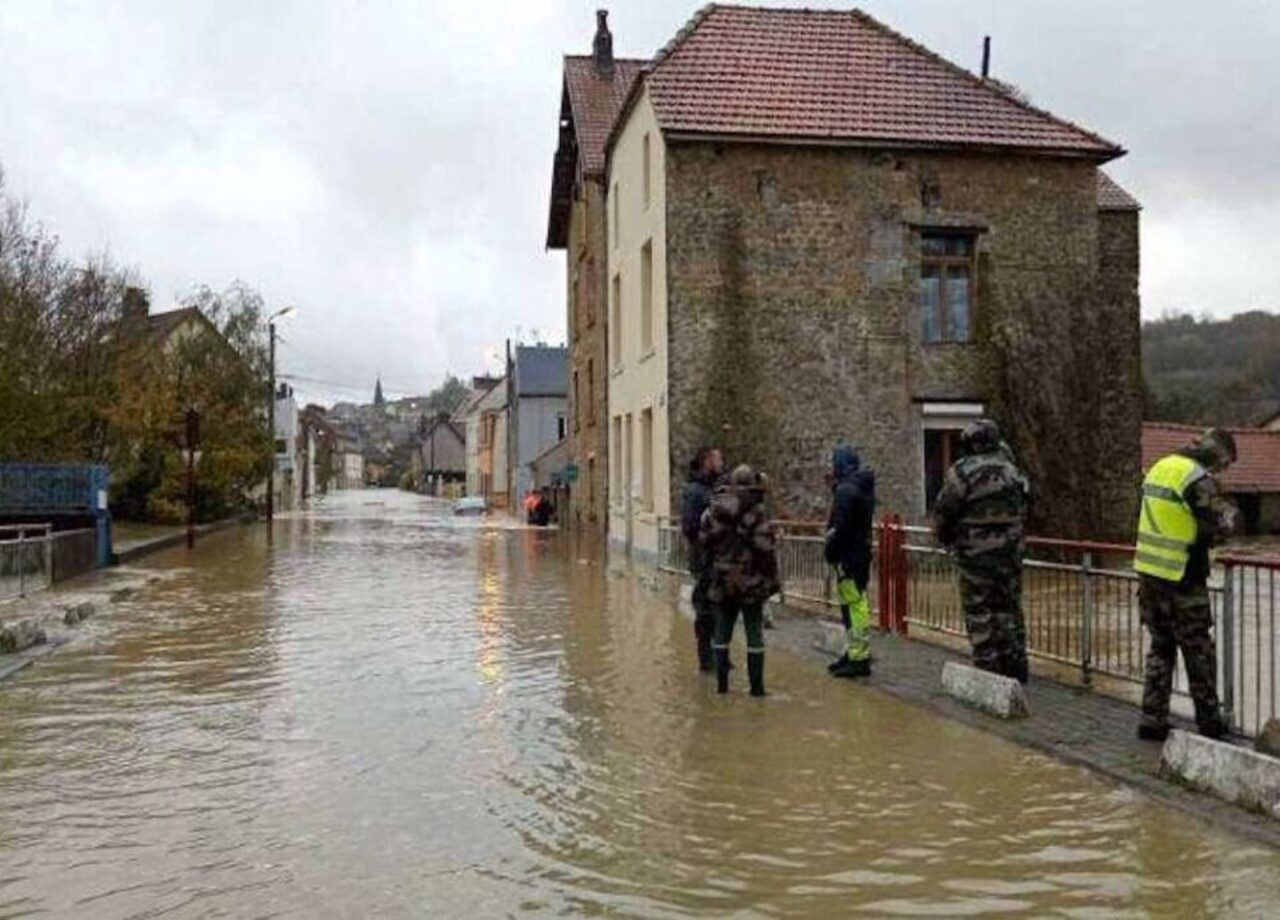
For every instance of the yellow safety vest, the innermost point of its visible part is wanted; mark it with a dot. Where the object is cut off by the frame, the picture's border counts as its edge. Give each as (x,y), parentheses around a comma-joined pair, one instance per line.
(1166,527)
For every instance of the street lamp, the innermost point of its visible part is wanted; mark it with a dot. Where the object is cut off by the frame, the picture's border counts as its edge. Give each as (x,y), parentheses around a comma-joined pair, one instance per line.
(271,411)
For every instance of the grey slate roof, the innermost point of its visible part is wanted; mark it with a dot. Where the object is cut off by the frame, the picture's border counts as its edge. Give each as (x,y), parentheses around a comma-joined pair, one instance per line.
(541,370)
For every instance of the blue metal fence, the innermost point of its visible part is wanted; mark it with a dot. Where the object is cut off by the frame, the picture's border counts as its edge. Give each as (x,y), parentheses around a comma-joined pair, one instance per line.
(50,491)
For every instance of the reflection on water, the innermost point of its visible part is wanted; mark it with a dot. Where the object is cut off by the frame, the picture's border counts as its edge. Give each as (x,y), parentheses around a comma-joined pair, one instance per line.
(393,712)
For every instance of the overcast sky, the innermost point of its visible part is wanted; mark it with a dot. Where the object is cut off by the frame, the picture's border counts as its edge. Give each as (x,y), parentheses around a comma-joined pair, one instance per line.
(386,165)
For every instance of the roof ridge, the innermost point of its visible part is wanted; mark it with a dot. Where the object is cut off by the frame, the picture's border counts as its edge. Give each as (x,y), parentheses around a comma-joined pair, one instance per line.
(974,78)
(684,32)
(616,60)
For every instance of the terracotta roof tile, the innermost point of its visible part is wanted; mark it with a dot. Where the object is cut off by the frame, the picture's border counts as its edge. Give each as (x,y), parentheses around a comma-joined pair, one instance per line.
(596,100)
(1111,197)
(839,75)
(1257,468)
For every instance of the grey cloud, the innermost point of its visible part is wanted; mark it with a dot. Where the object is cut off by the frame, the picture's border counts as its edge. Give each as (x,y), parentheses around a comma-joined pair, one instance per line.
(386,165)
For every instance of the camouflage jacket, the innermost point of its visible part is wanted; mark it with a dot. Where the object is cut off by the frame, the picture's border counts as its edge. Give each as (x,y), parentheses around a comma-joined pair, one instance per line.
(980,512)
(739,542)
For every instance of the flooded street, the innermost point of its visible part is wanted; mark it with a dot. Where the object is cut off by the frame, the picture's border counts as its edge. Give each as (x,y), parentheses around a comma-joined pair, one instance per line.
(396,713)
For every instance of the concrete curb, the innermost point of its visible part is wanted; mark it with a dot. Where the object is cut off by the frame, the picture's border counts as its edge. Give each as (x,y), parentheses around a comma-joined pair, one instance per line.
(1235,774)
(154,545)
(1000,696)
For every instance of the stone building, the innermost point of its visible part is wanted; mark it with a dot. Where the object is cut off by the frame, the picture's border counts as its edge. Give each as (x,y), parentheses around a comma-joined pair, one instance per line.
(819,230)
(594,88)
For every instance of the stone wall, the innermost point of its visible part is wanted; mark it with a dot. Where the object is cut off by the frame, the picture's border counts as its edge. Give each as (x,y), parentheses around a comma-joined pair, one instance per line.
(586,323)
(793,322)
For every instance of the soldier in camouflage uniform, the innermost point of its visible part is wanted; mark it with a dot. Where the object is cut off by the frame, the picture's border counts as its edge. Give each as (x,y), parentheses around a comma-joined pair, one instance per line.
(739,541)
(1183,514)
(980,516)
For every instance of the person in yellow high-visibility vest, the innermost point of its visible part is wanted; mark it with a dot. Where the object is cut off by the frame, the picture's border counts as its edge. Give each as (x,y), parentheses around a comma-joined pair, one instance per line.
(1183,514)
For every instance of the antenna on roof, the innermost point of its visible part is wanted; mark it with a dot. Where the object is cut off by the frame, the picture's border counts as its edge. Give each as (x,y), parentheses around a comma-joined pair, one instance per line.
(986,56)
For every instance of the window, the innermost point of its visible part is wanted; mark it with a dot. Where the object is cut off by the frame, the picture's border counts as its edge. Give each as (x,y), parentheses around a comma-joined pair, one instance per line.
(576,404)
(941,448)
(628,461)
(613,199)
(646,298)
(615,321)
(615,459)
(946,287)
(647,179)
(646,459)
(591,488)
(575,302)
(562,427)
(591,392)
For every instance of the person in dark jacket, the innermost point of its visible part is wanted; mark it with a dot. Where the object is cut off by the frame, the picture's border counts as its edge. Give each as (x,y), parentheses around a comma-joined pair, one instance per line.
(848,550)
(704,472)
(740,543)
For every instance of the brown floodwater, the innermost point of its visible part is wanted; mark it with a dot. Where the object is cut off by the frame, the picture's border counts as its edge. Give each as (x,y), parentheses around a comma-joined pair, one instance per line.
(391,712)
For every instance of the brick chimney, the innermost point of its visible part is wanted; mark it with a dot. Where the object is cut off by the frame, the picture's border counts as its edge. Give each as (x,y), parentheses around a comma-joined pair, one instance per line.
(137,305)
(602,45)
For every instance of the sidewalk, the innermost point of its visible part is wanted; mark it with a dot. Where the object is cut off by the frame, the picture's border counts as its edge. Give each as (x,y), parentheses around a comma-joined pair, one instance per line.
(1071,724)
(144,539)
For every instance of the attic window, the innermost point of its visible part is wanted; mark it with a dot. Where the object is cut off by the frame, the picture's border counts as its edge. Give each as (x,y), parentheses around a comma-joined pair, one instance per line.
(946,286)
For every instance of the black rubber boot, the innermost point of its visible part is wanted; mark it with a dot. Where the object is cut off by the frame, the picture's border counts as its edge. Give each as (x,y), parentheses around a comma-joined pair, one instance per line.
(837,664)
(853,669)
(702,633)
(1150,731)
(1215,728)
(1019,671)
(722,670)
(755,672)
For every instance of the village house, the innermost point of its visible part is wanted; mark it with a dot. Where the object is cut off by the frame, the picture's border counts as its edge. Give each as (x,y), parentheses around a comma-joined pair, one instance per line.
(593,90)
(819,230)
(440,457)
(537,408)
(292,452)
(483,417)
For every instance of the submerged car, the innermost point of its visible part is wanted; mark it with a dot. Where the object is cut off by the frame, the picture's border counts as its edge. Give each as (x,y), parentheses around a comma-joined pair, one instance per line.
(472,504)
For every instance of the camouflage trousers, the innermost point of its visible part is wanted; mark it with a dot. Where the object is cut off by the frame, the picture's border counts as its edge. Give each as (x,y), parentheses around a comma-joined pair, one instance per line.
(992,601)
(1178,617)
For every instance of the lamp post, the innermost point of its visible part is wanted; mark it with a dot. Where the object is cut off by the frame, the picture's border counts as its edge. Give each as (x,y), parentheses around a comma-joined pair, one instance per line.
(271,411)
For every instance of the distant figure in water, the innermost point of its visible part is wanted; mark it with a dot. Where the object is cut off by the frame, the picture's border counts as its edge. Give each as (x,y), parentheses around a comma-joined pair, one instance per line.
(543,511)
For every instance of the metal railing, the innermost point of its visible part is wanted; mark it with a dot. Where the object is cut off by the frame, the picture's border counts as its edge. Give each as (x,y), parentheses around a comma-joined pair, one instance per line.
(1079,601)
(1247,640)
(26,559)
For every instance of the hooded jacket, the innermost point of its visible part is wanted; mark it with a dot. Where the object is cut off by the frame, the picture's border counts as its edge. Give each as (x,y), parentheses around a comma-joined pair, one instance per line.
(853,510)
(698,492)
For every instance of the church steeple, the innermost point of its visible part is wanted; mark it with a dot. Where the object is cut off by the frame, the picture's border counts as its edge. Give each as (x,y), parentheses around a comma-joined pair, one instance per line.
(378,398)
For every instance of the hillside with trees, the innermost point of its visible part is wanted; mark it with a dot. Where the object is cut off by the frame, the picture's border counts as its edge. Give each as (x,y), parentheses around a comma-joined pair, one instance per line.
(1212,372)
